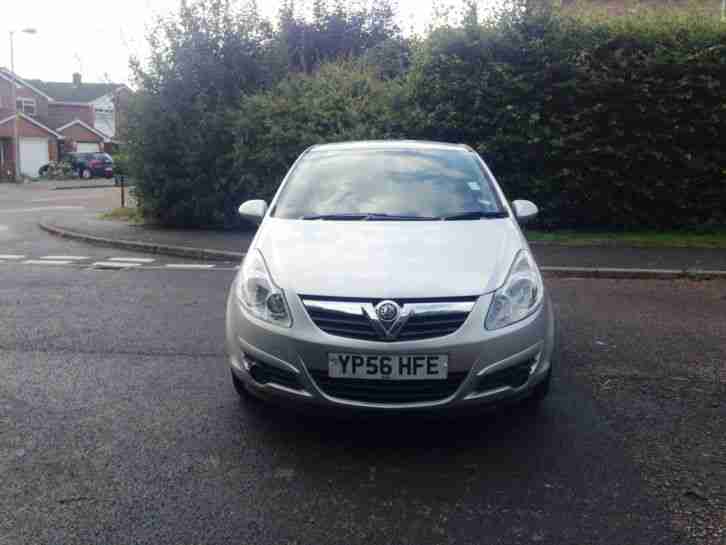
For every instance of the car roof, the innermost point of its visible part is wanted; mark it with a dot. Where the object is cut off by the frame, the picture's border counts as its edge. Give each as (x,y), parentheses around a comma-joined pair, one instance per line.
(388,144)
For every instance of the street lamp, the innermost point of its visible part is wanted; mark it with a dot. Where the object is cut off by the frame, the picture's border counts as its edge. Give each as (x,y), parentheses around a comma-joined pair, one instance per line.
(14,100)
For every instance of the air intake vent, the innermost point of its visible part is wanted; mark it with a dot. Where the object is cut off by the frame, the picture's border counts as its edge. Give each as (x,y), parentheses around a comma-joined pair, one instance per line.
(388,391)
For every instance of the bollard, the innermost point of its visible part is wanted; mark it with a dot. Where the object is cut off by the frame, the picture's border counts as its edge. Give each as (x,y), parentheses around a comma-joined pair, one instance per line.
(120,180)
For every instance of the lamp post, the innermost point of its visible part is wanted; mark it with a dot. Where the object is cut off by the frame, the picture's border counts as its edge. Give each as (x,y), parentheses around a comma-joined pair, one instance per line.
(14,99)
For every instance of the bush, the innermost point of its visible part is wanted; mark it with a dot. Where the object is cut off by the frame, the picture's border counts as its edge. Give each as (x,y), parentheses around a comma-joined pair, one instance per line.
(179,140)
(59,170)
(605,123)
(343,101)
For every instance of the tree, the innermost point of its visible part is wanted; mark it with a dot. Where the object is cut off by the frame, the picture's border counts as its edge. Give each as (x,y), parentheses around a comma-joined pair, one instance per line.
(203,60)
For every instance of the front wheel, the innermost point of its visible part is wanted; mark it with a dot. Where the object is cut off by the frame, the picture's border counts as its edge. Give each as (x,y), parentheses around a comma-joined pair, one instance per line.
(86,174)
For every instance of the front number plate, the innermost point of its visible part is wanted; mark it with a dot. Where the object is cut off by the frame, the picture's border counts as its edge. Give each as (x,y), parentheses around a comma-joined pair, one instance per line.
(388,367)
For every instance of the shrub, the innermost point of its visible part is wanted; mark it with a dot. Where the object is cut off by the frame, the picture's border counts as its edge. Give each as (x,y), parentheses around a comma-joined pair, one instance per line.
(342,101)
(605,123)
(59,170)
(179,143)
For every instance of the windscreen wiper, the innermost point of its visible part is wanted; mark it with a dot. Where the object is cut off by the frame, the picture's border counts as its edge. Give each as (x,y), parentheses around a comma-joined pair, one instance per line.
(475,215)
(348,217)
(371,216)
(398,217)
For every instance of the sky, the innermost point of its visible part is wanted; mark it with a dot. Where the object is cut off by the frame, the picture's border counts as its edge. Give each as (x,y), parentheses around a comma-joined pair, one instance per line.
(97,38)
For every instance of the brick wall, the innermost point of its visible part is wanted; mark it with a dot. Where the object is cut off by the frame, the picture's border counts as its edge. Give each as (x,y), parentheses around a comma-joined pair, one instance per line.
(60,114)
(25,128)
(80,134)
(6,107)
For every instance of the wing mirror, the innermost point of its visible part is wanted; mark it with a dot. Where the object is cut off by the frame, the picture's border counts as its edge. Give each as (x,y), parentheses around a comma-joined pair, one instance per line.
(525,211)
(254,210)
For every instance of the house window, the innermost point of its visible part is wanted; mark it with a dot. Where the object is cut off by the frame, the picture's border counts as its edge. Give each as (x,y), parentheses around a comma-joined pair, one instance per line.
(27,106)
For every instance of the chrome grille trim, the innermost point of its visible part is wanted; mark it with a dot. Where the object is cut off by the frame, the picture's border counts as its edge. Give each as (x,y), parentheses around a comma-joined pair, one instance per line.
(418,319)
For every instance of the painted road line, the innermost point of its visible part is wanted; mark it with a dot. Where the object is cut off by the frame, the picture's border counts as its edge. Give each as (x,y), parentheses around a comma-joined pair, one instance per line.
(188,266)
(41,209)
(11,256)
(46,262)
(50,199)
(132,259)
(114,265)
(65,257)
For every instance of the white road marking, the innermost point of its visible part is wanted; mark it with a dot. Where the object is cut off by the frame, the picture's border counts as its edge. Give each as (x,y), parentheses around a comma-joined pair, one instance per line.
(11,256)
(114,265)
(188,266)
(50,199)
(133,259)
(4,228)
(70,257)
(46,262)
(41,209)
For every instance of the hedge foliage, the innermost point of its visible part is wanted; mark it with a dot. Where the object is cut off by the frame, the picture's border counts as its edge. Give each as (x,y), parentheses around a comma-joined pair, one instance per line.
(603,123)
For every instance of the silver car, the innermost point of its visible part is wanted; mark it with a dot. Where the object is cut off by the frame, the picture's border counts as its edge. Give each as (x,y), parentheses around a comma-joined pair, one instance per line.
(390,276)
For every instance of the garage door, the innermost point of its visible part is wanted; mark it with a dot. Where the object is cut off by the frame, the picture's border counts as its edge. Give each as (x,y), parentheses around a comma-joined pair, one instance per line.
(33,155)
(88,147)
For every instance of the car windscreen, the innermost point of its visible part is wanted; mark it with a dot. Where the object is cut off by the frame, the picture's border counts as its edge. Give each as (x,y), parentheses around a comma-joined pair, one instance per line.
(424,183)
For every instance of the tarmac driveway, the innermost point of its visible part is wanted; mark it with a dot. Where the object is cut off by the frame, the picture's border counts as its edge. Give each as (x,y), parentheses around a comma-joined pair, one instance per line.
(118,424)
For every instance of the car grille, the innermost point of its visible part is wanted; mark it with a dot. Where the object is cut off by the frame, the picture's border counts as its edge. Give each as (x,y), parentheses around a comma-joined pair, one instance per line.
(349,320)
(354,327)
(514,377)
(426,327)
(387,391)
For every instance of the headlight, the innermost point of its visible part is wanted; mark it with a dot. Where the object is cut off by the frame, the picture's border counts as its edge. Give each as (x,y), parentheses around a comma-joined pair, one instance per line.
(258,293)
(520,295)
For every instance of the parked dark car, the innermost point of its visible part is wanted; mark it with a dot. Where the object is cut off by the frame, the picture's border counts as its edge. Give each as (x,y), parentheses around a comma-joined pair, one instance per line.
(90,165)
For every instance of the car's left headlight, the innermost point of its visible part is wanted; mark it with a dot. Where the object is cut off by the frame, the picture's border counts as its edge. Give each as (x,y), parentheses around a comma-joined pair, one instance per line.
(259,294)
(519,296)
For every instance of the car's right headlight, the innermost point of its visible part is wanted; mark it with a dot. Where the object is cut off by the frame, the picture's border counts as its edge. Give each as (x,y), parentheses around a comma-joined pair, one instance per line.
(519,296)
(259,294)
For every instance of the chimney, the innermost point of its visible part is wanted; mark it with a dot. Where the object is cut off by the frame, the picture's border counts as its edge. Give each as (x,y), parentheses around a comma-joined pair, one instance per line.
(77,79)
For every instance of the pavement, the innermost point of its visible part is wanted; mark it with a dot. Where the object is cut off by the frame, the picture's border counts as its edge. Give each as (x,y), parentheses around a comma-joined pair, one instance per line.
(118,422)
(80,184)
(217,244)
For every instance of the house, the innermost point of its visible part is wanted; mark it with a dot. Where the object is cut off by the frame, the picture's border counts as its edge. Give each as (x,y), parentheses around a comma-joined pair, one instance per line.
(55,118)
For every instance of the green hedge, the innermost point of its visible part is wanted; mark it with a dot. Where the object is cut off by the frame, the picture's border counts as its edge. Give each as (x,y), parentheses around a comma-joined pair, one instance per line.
(603,123)
(343,101)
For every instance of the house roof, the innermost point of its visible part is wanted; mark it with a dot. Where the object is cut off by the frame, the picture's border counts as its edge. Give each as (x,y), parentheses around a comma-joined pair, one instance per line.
(85,126)
(9,76)
(32,121)
(69,92)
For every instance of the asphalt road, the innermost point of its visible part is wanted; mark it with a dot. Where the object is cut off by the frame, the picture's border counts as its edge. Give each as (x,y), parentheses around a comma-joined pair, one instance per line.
(118,424)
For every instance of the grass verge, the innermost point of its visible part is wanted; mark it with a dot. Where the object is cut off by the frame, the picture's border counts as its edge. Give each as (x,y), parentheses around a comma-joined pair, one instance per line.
(651,239)
(131,215)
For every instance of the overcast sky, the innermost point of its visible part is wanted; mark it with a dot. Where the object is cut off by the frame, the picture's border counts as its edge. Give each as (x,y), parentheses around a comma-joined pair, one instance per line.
(97,38)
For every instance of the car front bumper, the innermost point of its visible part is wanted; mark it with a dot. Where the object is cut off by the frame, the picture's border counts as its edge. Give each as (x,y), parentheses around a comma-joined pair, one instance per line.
(474,353)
